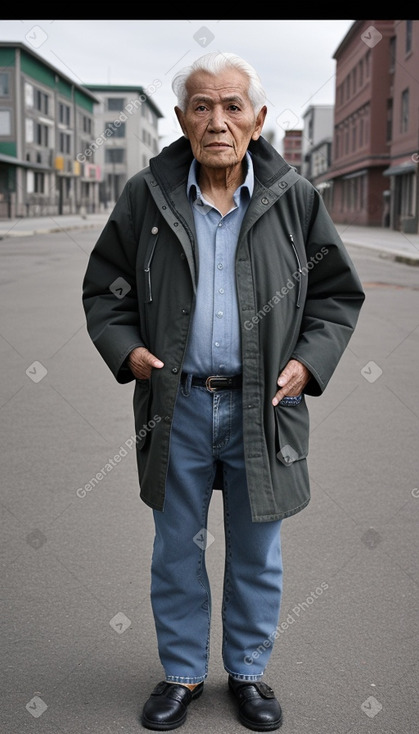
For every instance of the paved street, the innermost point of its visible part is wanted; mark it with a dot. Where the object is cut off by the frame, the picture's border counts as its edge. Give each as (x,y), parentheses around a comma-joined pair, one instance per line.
(79,649)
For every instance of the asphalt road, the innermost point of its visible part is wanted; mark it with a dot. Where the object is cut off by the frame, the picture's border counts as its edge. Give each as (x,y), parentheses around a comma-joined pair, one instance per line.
(78,647)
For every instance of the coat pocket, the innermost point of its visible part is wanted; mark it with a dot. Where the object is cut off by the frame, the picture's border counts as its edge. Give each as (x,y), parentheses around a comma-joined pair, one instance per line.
(142,395)
(292,430)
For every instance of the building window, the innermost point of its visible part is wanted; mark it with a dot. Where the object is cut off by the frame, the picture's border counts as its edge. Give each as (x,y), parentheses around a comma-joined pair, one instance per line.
(41,101)
(368,64)
(389,130)
(310,130)
(87,124)
(42,135)
(354,135)
(408,36)
(114,155)
(65,143)
(5,122)
(28,95)
(392,49)
(115,104)
(4,84)
(29,130)
(404,122)
(117,130)
(354,80)
(64,114)
(39,183)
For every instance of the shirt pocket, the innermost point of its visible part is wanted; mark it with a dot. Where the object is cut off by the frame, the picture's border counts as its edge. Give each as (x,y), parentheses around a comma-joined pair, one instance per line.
(292,430)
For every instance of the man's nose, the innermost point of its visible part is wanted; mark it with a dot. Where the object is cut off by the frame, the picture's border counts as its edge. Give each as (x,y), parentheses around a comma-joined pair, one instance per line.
(217,121)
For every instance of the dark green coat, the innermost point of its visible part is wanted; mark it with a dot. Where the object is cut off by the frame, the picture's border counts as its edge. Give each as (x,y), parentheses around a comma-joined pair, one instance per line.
(298,295)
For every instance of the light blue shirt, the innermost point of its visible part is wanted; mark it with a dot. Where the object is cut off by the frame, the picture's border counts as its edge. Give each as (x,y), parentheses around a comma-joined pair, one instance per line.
(214,346)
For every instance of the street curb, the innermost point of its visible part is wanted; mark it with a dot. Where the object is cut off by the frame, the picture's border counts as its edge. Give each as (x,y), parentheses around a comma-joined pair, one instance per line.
(6,235)
(395,255)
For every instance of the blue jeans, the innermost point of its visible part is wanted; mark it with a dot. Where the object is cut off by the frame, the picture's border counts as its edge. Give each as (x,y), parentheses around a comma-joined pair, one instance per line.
(206,428)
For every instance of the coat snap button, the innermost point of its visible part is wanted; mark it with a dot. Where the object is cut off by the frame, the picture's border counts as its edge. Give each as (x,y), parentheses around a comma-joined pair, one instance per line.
(154,230)
(265,200)
(175,370)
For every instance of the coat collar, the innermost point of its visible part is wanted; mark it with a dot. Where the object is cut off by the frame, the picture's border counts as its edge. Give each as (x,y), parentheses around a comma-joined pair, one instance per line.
(171,166)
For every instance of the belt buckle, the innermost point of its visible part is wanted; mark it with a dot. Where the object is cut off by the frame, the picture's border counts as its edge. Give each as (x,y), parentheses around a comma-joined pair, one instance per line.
(208,381)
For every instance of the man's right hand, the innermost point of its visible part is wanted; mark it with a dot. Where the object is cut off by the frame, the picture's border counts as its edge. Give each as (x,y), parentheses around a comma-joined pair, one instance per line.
(141,362)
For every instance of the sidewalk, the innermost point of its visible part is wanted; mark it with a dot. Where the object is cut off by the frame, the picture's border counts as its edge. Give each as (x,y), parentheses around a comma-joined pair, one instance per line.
(398,246)
(27,226)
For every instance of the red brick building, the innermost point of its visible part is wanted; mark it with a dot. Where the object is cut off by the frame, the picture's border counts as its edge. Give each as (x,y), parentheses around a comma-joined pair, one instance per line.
(361,147)
(373,177)
(403,123)
(293,148)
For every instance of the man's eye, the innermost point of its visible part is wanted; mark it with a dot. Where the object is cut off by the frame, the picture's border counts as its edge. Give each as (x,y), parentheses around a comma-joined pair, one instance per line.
(201,108)
(234,108)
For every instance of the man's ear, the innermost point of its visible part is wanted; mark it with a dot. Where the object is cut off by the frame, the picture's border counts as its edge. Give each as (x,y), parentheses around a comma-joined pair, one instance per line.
(260,121)
(181,119)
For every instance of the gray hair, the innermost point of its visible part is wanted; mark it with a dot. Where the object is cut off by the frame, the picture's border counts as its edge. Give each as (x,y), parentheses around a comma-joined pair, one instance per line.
(213,63)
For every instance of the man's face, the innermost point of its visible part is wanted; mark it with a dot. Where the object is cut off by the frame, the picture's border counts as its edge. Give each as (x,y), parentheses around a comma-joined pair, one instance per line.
(219,119)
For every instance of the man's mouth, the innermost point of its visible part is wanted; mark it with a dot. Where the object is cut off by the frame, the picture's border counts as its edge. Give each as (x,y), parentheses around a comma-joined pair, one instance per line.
(218,145)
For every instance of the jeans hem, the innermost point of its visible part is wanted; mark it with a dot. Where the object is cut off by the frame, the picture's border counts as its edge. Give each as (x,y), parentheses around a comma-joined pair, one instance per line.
(190,680)
(244,677)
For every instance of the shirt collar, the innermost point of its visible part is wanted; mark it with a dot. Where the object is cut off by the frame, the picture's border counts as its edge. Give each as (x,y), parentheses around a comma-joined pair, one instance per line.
(193,190)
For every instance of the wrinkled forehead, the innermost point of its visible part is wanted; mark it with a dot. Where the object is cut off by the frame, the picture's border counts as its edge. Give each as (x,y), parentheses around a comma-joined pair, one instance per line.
(230,83)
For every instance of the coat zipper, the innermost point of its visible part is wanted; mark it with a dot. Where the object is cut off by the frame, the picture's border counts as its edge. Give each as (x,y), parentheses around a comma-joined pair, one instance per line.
(147,271)
(299,269)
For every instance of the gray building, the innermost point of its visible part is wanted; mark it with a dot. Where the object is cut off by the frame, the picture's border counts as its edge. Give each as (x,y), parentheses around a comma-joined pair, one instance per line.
(125,136)
(317,140)
(46,120)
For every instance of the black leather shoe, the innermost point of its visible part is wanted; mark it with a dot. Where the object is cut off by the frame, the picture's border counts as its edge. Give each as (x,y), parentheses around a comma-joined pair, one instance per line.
(259,710)
(166,707)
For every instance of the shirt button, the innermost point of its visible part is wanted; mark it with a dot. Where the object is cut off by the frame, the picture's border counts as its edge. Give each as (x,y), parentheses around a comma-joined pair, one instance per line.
(220,314)
(220,266)
(217,344)
(221,290)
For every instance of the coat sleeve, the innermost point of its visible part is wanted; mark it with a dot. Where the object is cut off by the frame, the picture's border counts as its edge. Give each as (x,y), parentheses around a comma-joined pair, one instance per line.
(334,300)
(109,291)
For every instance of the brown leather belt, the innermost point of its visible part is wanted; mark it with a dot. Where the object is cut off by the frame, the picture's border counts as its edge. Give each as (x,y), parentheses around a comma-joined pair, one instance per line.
(216,382)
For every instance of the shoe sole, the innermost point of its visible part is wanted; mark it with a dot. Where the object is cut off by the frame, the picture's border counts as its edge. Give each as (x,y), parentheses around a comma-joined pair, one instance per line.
(260,727)
(174,724)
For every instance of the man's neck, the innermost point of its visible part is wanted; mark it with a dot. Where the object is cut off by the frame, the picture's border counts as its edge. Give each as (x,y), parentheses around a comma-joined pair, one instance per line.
(219,184)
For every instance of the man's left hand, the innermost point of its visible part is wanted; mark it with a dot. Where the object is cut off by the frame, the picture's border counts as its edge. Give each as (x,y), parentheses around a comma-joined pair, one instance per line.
(292,380)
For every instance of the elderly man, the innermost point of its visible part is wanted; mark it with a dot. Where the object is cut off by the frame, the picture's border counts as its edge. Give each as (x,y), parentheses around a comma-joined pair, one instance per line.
(222,287)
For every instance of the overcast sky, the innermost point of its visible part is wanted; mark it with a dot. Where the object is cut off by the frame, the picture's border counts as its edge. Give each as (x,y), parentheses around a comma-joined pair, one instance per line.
(294,58)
